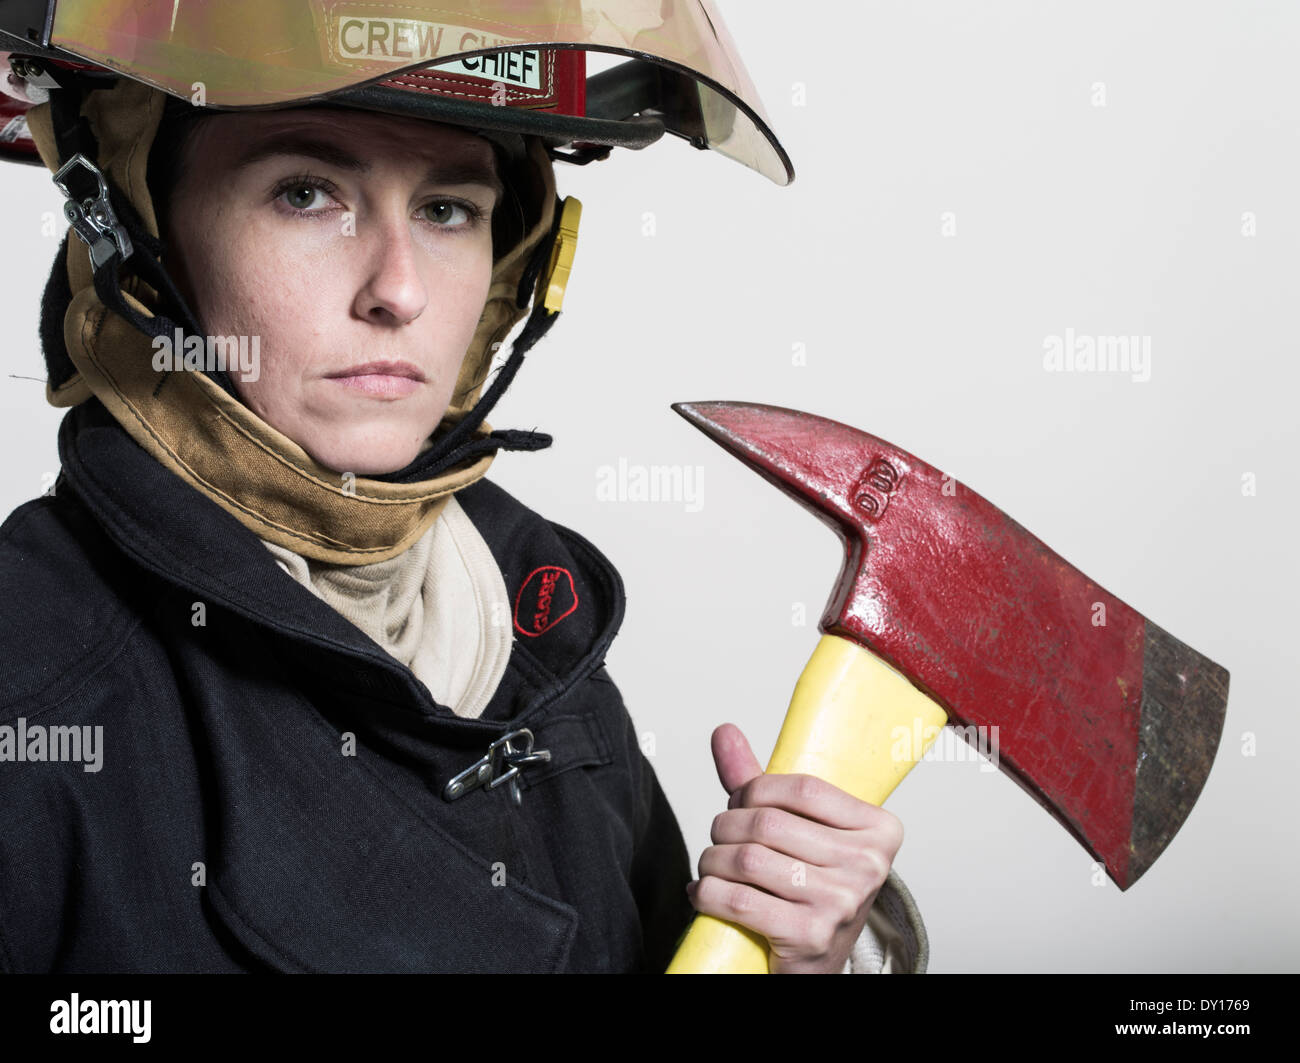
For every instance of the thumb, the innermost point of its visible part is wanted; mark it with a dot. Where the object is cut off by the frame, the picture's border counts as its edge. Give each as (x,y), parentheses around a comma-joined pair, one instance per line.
(733,758)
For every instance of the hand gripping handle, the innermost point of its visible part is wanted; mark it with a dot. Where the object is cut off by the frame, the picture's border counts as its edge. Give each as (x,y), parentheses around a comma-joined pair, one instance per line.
(853,721)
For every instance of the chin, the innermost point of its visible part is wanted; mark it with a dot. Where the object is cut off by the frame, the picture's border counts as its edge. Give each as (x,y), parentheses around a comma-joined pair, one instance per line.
(365,460)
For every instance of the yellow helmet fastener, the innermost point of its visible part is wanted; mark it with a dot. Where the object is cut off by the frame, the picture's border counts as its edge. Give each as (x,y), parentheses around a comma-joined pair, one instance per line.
(556,277)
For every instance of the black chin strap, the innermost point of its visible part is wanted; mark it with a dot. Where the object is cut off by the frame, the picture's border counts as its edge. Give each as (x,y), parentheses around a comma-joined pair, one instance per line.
(146,263)
(460,444)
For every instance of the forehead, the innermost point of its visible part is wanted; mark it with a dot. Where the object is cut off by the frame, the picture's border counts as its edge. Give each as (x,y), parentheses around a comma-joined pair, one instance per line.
(360,137)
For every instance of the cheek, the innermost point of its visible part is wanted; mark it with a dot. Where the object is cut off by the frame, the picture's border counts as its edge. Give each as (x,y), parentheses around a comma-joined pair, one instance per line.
(466,291)
(472,282)
(212,261)
(457,280)
(244,288)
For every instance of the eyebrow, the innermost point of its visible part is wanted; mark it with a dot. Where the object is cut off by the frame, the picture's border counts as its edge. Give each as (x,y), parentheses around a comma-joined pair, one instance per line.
(444,172)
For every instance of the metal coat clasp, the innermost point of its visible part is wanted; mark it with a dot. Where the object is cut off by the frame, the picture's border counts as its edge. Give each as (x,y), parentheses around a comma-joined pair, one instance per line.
(512,751)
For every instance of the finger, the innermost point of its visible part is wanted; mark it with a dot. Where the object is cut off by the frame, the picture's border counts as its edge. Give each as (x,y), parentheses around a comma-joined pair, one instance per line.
(777,874)
(738,902)
(860,860)
(811,797)
(733,758)
(777,920)
(784,832)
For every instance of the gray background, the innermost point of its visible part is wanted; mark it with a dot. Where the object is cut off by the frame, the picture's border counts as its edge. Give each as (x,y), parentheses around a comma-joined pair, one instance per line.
(696,279)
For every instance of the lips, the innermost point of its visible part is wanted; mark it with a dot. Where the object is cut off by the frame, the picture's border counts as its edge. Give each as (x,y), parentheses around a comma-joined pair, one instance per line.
(381,380)
(397,369)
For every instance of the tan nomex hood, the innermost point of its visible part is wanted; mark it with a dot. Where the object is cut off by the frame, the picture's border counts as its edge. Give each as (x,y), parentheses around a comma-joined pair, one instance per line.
(210,439)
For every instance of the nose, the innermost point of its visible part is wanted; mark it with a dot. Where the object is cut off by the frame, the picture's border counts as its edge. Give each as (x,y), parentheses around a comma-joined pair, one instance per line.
(392,292)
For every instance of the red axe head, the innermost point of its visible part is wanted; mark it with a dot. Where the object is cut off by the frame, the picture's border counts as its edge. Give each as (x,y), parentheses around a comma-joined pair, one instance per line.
(1107,720)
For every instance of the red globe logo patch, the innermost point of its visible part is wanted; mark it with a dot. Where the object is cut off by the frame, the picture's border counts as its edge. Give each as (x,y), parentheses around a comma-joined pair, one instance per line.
(546,598)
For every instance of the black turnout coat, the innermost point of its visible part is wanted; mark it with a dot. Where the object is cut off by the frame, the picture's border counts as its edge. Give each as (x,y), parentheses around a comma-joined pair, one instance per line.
(233,824)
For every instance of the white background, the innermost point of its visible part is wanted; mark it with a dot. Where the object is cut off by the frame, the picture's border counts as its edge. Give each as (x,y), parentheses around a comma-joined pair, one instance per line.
(696,279)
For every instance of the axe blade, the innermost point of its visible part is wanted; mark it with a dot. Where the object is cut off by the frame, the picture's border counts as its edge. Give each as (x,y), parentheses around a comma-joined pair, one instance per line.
(1107,720)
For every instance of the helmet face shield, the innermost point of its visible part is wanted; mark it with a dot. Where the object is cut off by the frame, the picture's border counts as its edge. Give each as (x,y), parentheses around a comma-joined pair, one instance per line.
(522,54)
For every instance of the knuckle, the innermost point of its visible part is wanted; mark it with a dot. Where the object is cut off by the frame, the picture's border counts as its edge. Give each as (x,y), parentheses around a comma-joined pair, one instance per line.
(751,858)
(715,827)
(849,901)
(876,866)
(892,830)
(768,825)
(820,934)
(706,891)
(742,900)
(807,787)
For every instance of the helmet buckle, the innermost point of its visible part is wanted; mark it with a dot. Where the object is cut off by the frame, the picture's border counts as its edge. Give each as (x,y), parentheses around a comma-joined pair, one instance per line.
(89,211)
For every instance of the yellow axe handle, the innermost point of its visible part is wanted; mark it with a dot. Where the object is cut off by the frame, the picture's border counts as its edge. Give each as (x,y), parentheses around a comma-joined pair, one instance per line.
(853,721)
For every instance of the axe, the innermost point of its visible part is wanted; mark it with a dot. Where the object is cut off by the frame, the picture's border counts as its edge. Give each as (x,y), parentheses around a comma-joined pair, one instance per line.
(947,610)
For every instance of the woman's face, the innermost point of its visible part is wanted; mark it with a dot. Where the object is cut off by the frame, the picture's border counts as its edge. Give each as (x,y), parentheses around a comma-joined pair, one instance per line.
(357,248)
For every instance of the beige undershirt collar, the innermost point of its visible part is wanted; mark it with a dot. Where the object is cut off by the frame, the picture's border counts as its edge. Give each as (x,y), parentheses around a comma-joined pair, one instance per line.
(440,607)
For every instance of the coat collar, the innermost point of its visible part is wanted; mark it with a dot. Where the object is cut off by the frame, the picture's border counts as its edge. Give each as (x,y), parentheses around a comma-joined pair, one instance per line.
(567,599)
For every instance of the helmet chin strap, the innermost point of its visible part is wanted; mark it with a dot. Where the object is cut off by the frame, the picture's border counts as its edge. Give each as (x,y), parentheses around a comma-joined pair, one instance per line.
(460,444)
